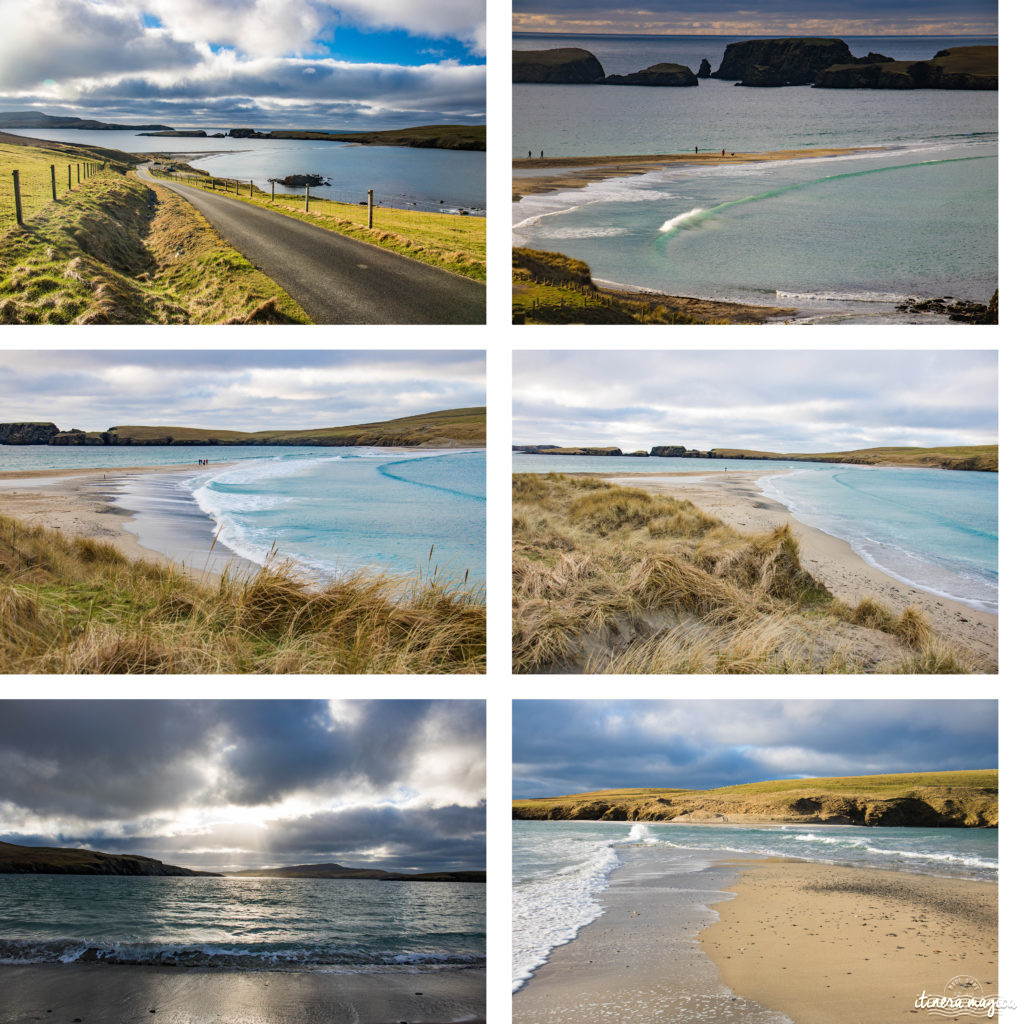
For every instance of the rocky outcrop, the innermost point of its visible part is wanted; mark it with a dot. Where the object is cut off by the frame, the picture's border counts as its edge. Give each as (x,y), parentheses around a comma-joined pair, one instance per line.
(299,180)
(52,860)
(774,62)
(960,67)
(705,68)
(656,74)
(551,449)
(27,433)
(960,311)
(567,66)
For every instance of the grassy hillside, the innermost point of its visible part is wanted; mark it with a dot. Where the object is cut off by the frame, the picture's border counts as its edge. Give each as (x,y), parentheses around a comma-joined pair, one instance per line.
(442,429)
(551,288)
(114,251)
(55,860)
(430,136)
(977,457)
(613,579)
(952,799)
(71,605)
(445,240)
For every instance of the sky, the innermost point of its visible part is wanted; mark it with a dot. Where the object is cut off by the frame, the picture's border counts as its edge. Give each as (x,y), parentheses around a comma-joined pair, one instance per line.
(238,389)
(777,401)
(577,746)
(769,18)
(343,64)
(231,785)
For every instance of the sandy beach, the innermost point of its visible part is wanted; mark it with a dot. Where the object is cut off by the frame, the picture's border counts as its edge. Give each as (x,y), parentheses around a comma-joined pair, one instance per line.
(108,994)
(81,502)
(841,945)
(801,943)
(735,498)
(580,171)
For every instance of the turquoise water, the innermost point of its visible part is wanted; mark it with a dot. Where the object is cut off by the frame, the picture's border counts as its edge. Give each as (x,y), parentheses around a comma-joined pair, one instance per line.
(932,528)
(431,179)
(332,510)
(559,869)
(841,239)
(256,923)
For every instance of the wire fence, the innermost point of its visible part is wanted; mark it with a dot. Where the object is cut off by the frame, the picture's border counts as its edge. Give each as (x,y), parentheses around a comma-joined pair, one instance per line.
(279,193)
(29,189)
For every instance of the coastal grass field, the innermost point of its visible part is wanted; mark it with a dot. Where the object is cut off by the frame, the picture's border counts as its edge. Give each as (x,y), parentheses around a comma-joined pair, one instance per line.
(981,457)
(615,579)
(112,250)
(969,798)
(449,241)
(76,605)
(552,288)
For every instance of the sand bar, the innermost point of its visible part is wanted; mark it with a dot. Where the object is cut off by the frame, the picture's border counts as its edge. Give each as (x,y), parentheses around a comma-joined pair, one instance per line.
(82,502)
(735,498)
(840,945)
(110,994)
(580,171)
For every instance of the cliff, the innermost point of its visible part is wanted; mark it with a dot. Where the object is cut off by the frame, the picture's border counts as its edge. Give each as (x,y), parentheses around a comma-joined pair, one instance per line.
(776,62)
(52,860)
(960,67)
(450,428)
(656,74)
(35,119)
(554,449)
(568,66)
(967,799)
(371,874)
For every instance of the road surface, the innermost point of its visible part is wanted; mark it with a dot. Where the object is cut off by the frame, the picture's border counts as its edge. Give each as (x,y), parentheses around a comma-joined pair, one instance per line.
(336,279)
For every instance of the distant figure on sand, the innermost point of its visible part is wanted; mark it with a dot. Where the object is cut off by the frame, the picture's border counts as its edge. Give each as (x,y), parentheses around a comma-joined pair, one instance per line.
(529,154)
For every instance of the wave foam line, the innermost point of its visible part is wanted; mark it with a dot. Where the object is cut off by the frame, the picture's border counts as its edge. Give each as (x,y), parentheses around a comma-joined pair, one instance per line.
(674,222)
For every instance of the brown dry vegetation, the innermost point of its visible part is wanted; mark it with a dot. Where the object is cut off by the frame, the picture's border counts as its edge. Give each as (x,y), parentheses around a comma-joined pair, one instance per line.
(114,251)
(950,799)
(79,606)
(613,579)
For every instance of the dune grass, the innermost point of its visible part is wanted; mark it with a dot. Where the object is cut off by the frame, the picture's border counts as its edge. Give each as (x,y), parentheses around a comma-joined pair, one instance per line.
(114,251)
(613,579)
(445,240)
(73,605)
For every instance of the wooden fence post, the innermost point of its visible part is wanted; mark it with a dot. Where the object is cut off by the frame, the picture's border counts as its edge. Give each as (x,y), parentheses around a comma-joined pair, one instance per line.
(236,186)
(53,181)
(78,173)
(250,188)
(307,199)
(69,175)
(369,208)
(17,198)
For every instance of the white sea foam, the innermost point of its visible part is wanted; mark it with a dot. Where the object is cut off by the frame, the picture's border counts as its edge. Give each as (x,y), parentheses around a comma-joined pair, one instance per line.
(683,218)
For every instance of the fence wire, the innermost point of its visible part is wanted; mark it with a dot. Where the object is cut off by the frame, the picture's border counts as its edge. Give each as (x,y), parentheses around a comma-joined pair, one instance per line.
(36,187)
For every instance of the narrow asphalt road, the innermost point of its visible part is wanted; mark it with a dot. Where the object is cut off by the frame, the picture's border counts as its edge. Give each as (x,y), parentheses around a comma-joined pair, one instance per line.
(336,279)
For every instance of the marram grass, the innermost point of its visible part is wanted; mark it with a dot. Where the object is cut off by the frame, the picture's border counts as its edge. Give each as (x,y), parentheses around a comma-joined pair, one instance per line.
(80,606)
(614,579)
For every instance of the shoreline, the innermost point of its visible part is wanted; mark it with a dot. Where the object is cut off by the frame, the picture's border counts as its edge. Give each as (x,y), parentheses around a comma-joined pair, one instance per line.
(580,171)
(739,503)
(108,992)
(84,502)
(741,939)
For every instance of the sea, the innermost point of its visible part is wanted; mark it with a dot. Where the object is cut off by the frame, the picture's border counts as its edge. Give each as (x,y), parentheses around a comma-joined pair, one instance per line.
(931,528)
(839,239)
(435,180)
(560,868)
(409,512)
(294,924)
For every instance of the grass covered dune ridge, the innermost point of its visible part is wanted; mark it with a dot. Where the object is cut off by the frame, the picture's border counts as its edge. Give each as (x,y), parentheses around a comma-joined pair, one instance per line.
(615,579)
(77,605)
(931,799)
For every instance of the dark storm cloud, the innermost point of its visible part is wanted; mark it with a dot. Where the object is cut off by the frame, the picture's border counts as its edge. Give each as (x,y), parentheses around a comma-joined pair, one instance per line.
(562,747)
(137,776)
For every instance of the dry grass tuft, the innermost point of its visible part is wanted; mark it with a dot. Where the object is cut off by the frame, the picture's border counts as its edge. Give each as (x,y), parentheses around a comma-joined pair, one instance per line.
(614,579)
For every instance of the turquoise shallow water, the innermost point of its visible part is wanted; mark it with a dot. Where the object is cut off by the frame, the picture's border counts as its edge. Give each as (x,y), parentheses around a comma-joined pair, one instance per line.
(333,510)
(256,923)
(559,869)
(839,239)
(932,528)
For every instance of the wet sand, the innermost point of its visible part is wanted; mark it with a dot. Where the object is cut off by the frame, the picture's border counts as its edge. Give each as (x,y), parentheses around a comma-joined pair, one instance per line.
(109,994)
(82,502)
(840,945)
(580,171)
(735,498)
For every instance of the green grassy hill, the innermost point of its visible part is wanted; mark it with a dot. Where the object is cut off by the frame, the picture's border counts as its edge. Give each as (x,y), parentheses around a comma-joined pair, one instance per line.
(978,457)
(928,799)
(53,860)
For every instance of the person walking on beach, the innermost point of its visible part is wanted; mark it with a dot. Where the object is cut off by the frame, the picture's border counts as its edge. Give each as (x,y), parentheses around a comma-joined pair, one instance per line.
(529,154)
